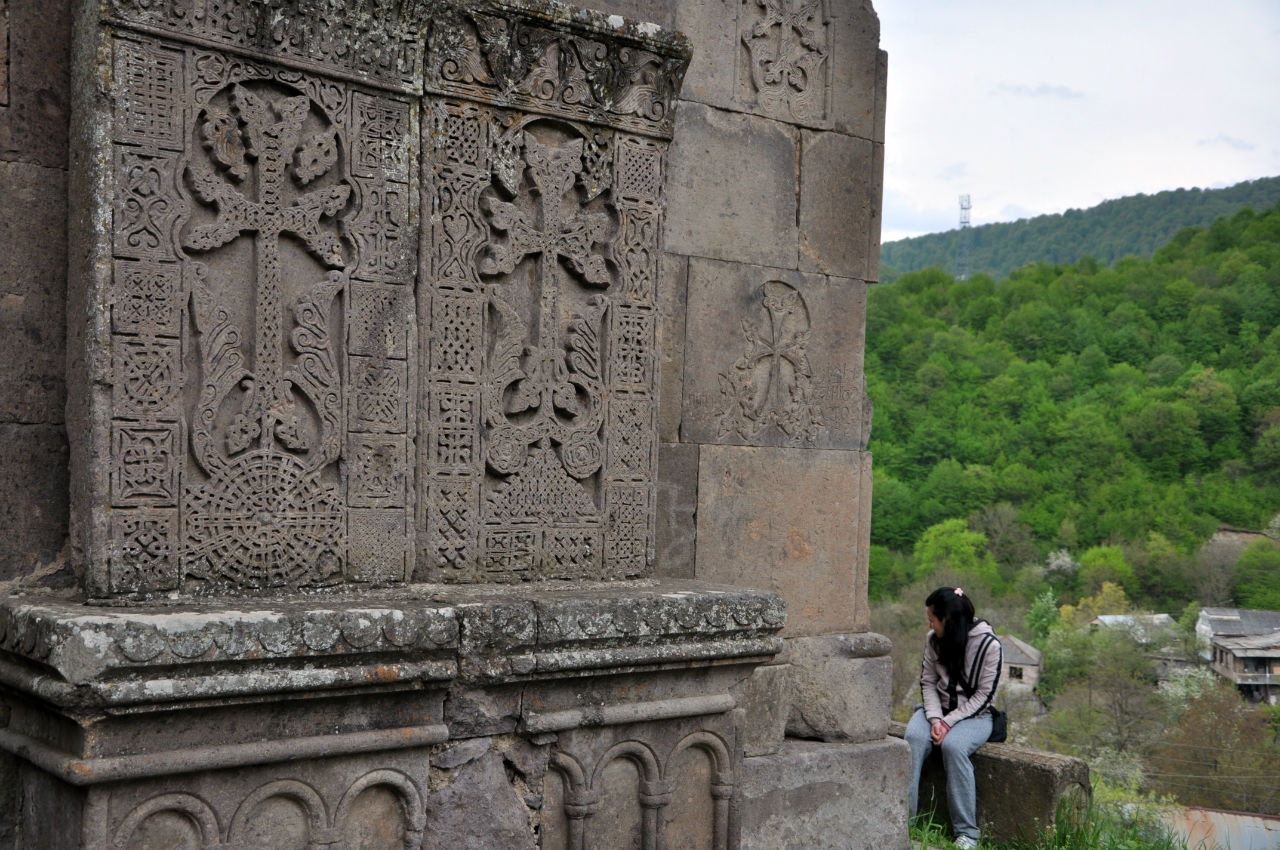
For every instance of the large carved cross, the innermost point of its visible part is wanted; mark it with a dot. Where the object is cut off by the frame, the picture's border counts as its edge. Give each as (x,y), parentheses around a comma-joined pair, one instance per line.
(273,143)
(554,169)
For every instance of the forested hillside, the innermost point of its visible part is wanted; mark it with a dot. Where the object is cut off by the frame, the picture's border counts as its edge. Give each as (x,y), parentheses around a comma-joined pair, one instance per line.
(1132,226)
(1120,414)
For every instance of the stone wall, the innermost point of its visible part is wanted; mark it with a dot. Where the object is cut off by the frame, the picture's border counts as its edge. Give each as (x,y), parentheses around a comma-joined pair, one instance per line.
(659,707)
(34,109)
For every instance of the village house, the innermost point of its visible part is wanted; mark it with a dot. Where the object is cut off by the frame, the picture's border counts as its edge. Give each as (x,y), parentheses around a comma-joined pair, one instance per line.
(1020,663)
(1251,663)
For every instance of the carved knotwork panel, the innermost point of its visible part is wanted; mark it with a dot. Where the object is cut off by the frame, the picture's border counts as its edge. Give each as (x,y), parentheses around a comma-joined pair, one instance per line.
(545,252)
(261,323)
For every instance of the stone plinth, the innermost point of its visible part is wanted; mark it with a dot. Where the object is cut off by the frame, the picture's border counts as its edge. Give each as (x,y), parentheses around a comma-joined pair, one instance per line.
(613,710)
(827,797)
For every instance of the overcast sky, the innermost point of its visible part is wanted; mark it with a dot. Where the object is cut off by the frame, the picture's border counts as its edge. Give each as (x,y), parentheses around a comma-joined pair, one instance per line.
(1036,107)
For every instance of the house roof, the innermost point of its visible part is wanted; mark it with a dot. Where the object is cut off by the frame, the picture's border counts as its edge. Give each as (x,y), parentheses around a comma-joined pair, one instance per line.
(1019,651)
(1237,621)
(1267,645)
(1141,627)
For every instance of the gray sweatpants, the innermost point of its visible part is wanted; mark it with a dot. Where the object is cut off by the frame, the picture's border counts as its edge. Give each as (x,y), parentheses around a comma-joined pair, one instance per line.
(960,743)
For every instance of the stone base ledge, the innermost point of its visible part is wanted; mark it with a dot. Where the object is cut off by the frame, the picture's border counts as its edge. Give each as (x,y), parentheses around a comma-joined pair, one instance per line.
(1020,790)
(71,653)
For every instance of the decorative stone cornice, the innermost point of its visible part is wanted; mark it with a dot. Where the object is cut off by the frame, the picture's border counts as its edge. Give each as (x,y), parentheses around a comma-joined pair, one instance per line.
(73,653)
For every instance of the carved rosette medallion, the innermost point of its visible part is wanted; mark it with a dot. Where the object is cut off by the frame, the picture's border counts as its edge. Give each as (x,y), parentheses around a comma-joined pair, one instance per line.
(540,427)
(770,385)
(260,315)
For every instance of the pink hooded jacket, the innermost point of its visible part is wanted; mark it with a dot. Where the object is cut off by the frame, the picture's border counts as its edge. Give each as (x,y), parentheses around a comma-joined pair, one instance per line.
(950,702)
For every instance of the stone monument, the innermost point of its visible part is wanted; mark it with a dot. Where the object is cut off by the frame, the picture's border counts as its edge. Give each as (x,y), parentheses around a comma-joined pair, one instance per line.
(401,510)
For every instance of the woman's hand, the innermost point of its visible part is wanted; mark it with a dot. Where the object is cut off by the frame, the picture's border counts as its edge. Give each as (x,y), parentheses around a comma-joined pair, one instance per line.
(938,731)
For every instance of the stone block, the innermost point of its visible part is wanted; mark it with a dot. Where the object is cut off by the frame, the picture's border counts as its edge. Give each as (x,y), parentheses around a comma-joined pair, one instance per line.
(33,507)
(826,81)
(33,293)
(1020,790)
(10,796)
(856,79)
(34,113)
(838,194)
(460,795)
(776,358)
(672,309)
(677,506)
(841,687)
(791,522)
(765,701)
(732,188)
(827,797)
(712,28)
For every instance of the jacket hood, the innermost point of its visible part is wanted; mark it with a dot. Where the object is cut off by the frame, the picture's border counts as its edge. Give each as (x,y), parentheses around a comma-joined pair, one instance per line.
(981,627)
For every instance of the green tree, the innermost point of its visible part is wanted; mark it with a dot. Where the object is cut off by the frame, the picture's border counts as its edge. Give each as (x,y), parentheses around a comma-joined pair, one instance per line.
(951,545)
(1257,576)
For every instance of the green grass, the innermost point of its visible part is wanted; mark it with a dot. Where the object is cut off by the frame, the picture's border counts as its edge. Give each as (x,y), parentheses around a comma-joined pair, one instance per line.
(1095,829)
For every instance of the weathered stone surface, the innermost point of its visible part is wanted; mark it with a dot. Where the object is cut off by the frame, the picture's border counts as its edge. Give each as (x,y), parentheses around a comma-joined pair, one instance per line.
(1020,790)
(765,700)
(677,506)
(838,692)
(476,808)
(857,86)
(672,309)
(36,102)
(796,530)
(882,74)
(33,497)
(776,359)
(10,793)
(877,194)
(33,268)
(827,797)
(482,711)
(660,12)
(838,194)
(712,29)
(813,64)
(732,189)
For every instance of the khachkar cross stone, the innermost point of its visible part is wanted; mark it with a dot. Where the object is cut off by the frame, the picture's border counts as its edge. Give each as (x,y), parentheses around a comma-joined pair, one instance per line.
(256,432)
(546,166)
(543,392)
(265,517)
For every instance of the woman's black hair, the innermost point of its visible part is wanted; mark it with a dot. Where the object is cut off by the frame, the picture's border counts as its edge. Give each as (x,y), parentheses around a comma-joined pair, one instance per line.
(955,610)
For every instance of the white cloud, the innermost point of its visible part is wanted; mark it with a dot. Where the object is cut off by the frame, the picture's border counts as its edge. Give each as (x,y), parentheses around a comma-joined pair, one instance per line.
(1040,90)
(1223,139)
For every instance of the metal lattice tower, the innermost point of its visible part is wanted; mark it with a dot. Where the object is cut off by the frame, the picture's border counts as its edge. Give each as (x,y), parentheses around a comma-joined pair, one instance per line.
(966,239)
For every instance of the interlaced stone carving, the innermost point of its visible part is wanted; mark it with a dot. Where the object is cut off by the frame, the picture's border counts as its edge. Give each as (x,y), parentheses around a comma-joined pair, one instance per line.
(148,377)
(142,553)
(770,384)
(538,67)
(147,299)
(145,471)
(546,246)
(788,52)
(265,517)
(261,294)
(380,44)
(146,204)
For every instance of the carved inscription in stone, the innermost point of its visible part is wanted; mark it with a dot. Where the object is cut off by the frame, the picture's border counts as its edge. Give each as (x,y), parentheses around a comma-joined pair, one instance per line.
(260,307)
(787,46)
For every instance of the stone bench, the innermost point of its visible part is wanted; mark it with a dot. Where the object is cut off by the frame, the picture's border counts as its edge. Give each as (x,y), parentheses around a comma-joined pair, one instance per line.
(1020,790)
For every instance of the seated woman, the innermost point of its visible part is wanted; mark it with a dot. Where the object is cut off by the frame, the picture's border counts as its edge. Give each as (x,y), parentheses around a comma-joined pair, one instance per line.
(958,681)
